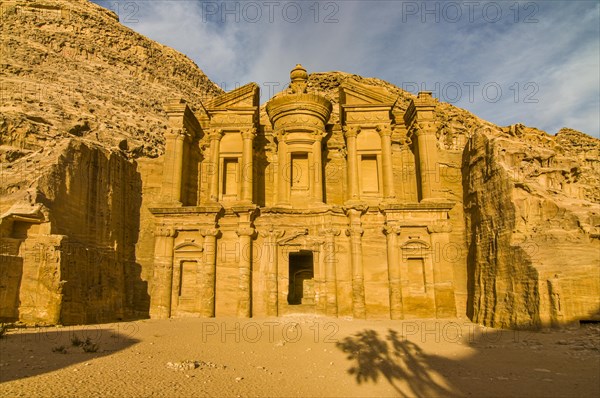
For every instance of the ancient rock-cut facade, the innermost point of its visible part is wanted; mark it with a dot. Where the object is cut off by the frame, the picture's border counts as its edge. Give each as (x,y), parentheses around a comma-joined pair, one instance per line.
(301,213)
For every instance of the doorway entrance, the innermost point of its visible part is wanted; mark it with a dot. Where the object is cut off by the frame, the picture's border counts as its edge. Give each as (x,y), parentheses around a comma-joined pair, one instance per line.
(301,288)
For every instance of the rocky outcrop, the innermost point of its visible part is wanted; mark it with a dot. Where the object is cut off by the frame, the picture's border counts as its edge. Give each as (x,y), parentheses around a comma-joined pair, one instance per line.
(81,99)
(69,69)
(532,227)
(70,243)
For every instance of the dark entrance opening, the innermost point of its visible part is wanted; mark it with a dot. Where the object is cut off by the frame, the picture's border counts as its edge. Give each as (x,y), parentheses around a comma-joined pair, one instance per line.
(301,275)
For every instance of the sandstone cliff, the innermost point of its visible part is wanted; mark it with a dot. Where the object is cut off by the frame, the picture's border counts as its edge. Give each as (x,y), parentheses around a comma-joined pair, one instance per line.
(533,224)
(81,98)
(82,108)
(70,70)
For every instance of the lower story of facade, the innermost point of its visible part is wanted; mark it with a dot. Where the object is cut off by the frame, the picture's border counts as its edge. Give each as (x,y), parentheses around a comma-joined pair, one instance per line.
(357,261)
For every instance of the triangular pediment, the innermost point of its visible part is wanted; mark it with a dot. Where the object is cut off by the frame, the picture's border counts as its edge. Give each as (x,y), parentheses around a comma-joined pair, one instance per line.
(355,93)
(243,97)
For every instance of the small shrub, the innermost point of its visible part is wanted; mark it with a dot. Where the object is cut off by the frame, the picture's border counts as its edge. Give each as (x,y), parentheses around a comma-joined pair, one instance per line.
(76,341)
(61,349)
(89,346)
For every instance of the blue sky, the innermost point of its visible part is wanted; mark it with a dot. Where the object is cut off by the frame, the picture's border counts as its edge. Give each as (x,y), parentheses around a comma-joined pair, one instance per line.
(530,62)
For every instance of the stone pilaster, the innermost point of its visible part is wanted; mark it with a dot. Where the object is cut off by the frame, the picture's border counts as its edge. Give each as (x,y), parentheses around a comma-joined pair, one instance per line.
(247,164)
(215,136)
(207,296)
(443,274)
(271,236)
(317,175)
(355,233)
(385,132)
(330,261)
(352,156)
(173,165)
(420,120)
(245,272)
(283,191)
(394,276)
(160,306)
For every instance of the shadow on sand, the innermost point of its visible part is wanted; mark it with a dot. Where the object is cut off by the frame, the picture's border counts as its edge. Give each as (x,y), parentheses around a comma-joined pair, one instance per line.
(31,352)
(394,359)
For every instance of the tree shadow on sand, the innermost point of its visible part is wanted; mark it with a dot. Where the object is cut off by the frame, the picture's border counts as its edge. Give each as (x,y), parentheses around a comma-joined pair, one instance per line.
(396,360)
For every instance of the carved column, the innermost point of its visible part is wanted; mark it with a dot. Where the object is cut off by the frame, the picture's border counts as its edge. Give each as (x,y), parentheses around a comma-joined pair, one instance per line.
(215,142)
(330,264)
(394,276)
(207,297)
(358,284)
(420,119)
(283,191)
(385,132)
(443,275)
(271,236)
(245,270)
(426,150)
(317,176)
(350,133)
(160,306)
(173,165)
(247,155)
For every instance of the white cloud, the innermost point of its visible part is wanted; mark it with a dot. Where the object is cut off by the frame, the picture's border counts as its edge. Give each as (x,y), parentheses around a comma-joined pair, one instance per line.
(558,53)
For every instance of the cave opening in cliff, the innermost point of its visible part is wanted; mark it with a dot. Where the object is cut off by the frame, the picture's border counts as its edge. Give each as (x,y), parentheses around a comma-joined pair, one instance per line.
(301,273)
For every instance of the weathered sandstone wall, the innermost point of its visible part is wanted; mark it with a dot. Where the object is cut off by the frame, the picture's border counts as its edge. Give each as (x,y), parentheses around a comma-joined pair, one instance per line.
(74,246)
(532,229)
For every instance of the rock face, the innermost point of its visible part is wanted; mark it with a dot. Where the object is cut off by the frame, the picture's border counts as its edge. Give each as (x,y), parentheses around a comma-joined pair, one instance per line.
(343,195)
(66,67)
(532,218)
(71,249)
(80,100)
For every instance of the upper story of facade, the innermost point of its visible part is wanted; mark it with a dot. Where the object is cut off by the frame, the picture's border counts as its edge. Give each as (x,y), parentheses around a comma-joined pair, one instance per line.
(296,155)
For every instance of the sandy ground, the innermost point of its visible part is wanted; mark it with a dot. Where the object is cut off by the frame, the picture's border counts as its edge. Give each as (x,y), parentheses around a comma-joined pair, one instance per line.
(300,356)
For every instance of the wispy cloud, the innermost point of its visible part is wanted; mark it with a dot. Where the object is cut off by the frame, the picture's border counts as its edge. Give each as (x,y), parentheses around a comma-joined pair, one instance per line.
(530,62)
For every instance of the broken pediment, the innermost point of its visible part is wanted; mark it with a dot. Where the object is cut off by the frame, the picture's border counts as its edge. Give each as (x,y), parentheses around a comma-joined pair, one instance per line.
(355,93)
(360,103)
(237,107)
(243,97)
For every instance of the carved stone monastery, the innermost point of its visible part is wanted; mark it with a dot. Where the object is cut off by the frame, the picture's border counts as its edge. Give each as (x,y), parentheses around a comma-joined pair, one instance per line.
(235,237)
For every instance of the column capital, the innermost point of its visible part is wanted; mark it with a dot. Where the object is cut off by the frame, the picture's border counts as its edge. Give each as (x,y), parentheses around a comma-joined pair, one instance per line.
(355,208)
(391,229)
(355,231)
(178,133)
(384,130)
(351,131)
(249,134)
(280,134)
(318,134)
(419,128)
(209,232)
(215,134)
(245,231)
(166,232)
